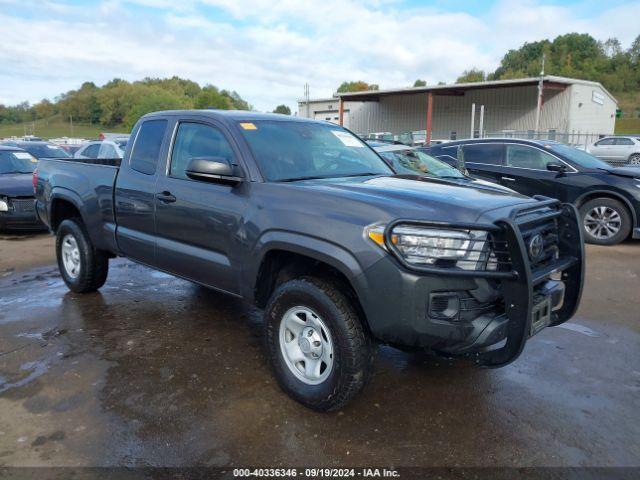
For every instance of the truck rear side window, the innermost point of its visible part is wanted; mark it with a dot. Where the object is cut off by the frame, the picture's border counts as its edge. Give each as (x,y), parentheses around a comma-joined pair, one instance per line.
(144,156)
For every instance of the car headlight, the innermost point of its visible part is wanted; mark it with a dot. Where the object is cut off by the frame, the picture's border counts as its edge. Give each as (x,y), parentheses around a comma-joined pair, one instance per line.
(438,247)
(4,205)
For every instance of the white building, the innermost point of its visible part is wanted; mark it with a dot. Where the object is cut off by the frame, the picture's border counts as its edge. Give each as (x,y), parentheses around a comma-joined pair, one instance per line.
(570,107)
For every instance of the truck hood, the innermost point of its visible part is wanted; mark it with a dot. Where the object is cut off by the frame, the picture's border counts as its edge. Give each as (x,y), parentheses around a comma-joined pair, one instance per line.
(411,193)
(16,184)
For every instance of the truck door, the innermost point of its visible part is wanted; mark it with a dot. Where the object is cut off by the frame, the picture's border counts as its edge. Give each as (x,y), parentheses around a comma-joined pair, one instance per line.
(197,222)
(135,193)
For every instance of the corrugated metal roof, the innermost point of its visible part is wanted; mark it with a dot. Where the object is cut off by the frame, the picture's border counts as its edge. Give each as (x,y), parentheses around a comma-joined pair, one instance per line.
(461,87)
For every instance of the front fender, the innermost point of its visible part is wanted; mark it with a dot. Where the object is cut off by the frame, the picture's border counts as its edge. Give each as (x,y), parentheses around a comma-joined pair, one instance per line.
(316,248)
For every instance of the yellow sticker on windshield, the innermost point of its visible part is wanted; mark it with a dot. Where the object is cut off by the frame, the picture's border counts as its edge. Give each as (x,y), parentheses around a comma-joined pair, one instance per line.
(248,126)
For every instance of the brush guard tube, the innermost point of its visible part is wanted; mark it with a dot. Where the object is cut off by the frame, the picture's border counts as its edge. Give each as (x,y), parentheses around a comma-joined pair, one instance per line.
(519,292)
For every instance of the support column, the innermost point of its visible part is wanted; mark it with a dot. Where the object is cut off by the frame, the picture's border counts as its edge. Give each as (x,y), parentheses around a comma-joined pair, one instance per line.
(341,111)
(429,115)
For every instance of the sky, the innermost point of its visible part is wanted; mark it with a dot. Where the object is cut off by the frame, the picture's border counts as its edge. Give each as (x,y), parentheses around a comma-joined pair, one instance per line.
(266,50)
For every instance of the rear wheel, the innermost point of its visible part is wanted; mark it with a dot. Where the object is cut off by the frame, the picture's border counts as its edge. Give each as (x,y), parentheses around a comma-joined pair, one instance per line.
(605,221)
(634,159)
(82,267)
(320,352)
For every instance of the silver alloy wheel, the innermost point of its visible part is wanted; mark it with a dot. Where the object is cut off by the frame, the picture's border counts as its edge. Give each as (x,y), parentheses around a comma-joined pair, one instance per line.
(306,345)
(71,256)
(635,159)
(602,222)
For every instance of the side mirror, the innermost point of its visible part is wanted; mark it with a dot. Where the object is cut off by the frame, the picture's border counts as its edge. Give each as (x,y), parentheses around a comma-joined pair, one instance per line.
(212,169)
(556,167)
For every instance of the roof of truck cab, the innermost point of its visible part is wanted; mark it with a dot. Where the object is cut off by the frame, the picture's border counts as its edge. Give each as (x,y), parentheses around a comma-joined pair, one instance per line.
(235,115)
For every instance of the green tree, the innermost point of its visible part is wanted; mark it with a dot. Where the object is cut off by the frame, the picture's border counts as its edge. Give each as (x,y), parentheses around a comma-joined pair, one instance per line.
(357,86)
(283,109)
(472,75)
(420,83)
(151,99)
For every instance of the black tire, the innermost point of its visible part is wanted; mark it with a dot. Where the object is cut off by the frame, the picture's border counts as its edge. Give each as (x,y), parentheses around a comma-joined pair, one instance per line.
(609,203)
(353,348)
(93,264)
(634,159)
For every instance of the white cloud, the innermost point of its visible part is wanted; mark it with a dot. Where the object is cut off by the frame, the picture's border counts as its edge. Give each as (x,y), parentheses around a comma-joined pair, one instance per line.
(267,49)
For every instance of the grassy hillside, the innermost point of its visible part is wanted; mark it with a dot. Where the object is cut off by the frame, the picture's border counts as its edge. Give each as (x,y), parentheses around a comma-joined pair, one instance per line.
(54,127)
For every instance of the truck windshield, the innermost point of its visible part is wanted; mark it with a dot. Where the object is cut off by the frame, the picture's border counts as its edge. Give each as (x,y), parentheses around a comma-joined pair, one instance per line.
(289,151)
(16,162)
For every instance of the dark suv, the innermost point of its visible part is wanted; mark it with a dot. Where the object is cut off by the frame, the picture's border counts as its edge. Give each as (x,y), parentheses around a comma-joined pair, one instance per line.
(607,197)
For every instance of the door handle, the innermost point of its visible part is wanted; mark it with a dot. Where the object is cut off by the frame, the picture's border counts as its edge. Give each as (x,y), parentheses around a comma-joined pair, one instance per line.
(166,197)
(509,179)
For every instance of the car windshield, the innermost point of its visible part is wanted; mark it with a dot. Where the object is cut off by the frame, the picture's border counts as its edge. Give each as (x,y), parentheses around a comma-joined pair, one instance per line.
(45,150)
(582,158)
(16,162)
(289,151)
(414,162)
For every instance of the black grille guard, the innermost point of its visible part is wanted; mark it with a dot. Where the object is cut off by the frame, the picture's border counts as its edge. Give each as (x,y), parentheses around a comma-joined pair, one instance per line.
(518,283)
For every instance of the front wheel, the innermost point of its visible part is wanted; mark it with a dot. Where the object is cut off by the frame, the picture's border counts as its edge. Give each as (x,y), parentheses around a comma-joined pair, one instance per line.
(634,159)
(320,352)
(605,221)
(83,268)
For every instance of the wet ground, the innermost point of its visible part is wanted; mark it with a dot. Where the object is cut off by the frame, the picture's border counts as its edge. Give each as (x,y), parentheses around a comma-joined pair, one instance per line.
(156,371)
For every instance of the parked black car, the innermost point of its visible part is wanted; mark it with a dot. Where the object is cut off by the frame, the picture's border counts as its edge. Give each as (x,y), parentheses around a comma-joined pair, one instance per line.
(17,201)
(607,197)
(40,149)
(405,160)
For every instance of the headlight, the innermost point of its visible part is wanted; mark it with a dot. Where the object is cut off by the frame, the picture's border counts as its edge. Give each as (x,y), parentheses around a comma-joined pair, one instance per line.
(4,206)
(438,247)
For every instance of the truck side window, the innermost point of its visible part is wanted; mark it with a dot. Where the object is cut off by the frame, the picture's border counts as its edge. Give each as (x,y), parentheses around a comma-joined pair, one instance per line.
(488,153)
(197,140)
(146,149)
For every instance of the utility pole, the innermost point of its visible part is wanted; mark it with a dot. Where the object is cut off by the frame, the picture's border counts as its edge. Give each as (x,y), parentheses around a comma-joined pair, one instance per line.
(306,97)
(473,119)
(540,93)
(481,126)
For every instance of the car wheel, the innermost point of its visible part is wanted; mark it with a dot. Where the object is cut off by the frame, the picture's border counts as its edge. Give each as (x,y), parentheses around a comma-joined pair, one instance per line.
(83,268)
(605,221)
(320,352)
(634,159)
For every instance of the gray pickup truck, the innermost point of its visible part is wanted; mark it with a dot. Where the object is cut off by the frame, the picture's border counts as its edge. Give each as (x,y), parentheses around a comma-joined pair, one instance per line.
(307,222)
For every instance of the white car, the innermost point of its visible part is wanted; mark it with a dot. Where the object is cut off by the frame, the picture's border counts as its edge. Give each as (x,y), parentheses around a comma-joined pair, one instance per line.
(102,149)
(617,150)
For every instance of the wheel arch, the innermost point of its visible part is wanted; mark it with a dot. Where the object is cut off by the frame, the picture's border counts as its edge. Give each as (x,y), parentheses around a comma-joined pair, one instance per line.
(284,256)
(593,194)
(63,204)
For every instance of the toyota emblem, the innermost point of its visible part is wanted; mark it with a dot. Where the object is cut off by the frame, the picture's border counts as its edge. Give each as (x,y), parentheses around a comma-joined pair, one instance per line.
(536,247)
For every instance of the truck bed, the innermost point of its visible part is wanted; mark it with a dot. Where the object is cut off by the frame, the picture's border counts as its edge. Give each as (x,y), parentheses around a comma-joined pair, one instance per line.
(89,185)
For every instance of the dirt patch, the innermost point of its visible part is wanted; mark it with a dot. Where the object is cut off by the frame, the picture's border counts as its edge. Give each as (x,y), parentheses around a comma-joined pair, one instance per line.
(20,252)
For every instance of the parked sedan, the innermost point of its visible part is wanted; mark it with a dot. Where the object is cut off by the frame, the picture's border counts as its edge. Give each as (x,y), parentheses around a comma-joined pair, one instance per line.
(102,149)
(40,149)
(406,160)
(607,197)
(17,209)
(617,150)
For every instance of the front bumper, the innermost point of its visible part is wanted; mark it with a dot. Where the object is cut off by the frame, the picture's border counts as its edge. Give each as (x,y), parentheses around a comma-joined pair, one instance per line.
(21,216)
(495,312)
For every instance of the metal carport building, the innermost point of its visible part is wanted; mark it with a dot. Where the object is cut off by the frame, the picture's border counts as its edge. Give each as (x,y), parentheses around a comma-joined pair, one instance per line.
(568,107)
